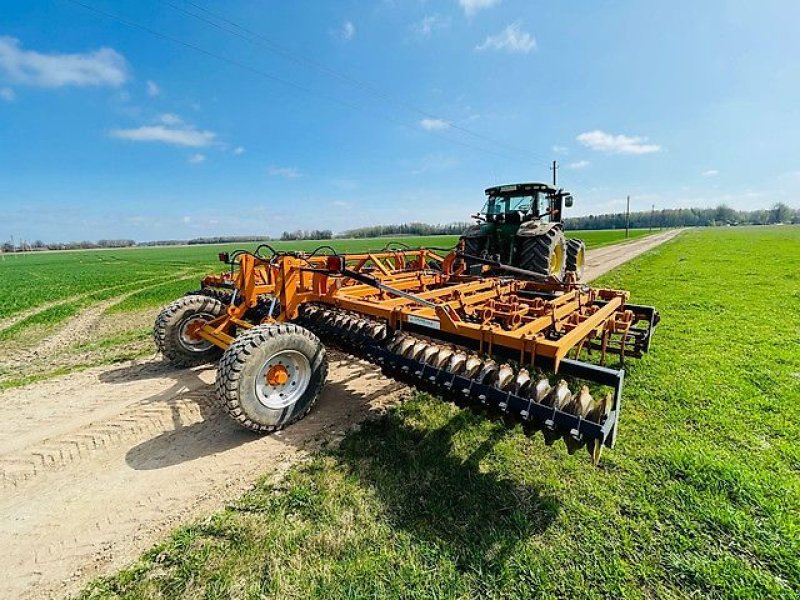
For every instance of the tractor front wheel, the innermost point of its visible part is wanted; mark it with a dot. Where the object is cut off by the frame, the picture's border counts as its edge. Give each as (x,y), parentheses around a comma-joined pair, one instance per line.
(173,330)
(544,254)
(271,376)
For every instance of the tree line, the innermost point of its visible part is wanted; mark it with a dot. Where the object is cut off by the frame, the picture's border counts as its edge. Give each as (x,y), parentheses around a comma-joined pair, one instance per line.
(667,217)
(404,229)
(688,217)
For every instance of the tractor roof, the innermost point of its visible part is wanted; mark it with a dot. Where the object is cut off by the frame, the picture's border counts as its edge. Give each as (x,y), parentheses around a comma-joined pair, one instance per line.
(519,189)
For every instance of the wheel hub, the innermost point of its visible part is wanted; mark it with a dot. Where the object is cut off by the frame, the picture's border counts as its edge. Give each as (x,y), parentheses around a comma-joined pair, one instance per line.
(283,379)
(188,333)
(277,375)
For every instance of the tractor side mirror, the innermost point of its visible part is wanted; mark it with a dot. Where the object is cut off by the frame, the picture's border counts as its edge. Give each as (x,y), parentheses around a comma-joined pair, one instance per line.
(567,200)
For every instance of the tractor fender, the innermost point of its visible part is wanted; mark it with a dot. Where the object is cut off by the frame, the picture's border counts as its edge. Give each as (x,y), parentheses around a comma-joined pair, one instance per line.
(534,228)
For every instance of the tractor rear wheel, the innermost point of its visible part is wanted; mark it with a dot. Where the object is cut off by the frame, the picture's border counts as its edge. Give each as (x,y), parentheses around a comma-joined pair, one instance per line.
(475,245)
(172,330)
(576,256)
(271,376)
(544,254)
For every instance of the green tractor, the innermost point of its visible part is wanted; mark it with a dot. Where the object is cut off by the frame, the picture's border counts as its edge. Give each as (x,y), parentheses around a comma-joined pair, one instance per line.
(521,227)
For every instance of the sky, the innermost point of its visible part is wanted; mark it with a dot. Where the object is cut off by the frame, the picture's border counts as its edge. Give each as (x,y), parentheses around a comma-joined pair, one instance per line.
(172,119)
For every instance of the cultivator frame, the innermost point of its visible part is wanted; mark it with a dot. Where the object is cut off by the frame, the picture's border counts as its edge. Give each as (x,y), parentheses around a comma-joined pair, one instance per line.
(422,318)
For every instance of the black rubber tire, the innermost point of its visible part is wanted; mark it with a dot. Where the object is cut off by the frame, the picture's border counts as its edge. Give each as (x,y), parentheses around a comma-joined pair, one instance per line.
(166,331)
(576,256)
(242,362)
(223,296)
(475,245)
(535,252)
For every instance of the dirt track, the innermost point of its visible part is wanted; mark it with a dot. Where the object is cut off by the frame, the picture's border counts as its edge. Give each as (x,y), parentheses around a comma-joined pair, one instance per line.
(97,465)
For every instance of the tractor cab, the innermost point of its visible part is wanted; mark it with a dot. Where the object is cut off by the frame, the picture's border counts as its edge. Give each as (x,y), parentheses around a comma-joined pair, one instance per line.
(521,202)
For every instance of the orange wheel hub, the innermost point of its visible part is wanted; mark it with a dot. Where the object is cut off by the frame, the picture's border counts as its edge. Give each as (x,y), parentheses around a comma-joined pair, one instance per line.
(277,375)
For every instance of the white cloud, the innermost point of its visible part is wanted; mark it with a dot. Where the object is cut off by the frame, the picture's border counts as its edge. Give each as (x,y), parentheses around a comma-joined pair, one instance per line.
(579,164)
(171,129)
(287,172)
(239,150)
(512,39)
(170,119)
(429,24)
(560,149)
(616,144)
(346,31)
(7,94)
(433,124)
(103,67)
(152,89)
(710,173)
(472,6)
(196,159)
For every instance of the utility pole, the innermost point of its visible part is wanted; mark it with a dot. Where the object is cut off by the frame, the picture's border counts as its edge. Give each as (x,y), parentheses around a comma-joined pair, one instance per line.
(652,213)
(627,217)
(554,168)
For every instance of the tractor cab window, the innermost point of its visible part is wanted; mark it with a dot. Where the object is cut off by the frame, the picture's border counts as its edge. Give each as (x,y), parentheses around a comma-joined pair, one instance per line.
(500,205)
(542,205)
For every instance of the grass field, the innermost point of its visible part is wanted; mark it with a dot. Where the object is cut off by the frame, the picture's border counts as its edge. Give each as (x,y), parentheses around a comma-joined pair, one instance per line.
(700,498)
(86,276)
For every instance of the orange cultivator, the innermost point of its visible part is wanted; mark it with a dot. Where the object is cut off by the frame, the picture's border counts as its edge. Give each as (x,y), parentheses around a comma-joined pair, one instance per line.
(483,338)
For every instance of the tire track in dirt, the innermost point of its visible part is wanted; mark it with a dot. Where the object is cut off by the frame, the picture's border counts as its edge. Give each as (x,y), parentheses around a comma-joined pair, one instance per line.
(12,320)
(143,448)
(79,328)
(96,466)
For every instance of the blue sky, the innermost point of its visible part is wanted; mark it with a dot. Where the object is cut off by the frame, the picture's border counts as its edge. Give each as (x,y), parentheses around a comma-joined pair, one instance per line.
(307,114)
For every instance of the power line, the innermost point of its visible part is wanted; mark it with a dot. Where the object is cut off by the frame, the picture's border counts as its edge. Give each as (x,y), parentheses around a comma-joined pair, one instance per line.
(282,81)
(264,42)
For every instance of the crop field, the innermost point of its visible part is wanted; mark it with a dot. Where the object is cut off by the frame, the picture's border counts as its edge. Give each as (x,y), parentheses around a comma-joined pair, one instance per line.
(84,276)
(93,307)
(699,499)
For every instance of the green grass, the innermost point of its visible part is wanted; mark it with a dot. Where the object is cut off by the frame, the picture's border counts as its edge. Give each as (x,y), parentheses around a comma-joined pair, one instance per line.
(700,497)
(52,276)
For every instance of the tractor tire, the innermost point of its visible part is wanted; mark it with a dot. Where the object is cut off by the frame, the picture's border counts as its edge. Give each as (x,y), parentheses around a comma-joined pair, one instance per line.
(271,376)
(576,257)
(475,245)
(223,296)
(544,254)
(171,337)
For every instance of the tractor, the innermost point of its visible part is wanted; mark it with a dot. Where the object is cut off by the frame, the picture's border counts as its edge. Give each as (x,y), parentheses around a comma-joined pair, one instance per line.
(521,225)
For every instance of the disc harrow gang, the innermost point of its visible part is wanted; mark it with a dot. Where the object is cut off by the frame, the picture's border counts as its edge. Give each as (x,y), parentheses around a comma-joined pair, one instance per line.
(514,394)
(529,350)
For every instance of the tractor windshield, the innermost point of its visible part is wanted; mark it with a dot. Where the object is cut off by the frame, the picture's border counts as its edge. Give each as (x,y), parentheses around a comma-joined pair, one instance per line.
(499,205)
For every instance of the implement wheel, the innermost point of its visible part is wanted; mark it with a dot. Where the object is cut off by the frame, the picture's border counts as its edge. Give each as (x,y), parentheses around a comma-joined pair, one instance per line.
(173,330)
(576,256)
(545,254)
(271,376)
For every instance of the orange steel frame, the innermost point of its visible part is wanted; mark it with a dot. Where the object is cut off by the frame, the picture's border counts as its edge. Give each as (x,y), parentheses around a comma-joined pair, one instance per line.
(495,312)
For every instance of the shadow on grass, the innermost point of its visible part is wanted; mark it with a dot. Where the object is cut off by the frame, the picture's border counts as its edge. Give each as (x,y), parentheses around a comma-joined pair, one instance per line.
(476,516)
